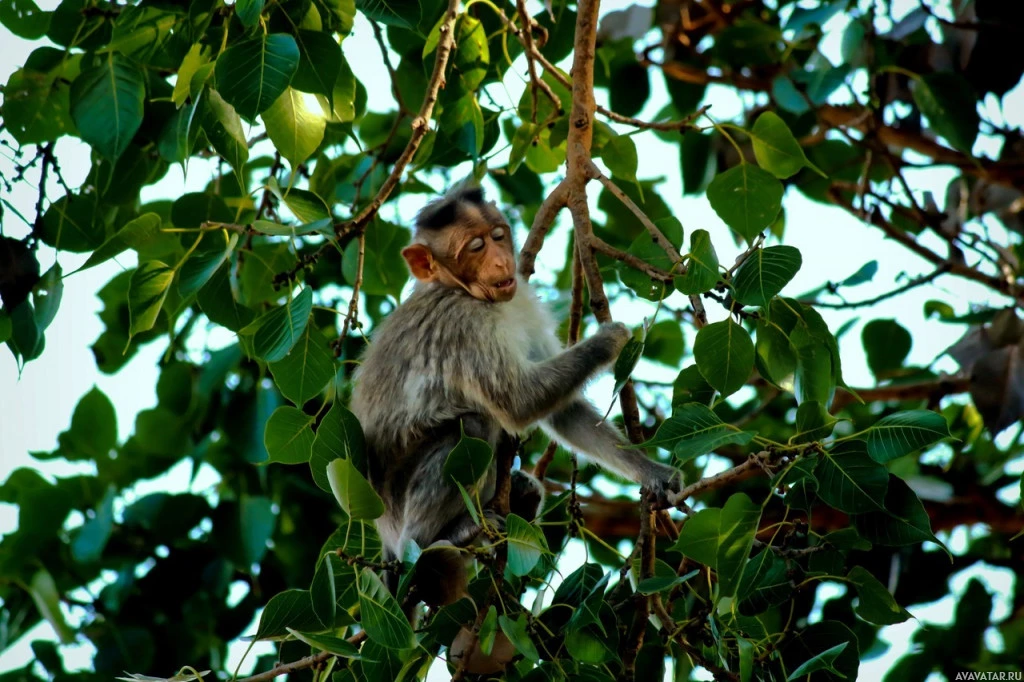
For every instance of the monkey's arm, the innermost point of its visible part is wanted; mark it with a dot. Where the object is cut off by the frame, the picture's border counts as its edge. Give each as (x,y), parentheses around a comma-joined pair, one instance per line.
(582,429)
(519,393)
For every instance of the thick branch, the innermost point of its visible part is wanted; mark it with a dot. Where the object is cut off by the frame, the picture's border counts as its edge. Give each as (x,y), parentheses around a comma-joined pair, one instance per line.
(932,391)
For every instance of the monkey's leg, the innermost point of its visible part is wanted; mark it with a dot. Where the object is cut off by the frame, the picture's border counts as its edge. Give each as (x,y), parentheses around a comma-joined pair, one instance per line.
(579,426)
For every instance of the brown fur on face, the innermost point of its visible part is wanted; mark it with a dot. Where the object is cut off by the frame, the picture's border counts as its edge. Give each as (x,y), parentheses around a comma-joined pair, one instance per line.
(463,242)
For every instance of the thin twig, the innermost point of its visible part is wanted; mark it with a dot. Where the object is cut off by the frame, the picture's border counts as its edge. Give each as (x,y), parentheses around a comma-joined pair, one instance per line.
(352,318)
(656,234)
(542,223)
(912,284)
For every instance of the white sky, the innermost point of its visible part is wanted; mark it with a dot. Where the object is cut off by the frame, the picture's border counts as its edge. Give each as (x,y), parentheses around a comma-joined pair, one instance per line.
(37,406)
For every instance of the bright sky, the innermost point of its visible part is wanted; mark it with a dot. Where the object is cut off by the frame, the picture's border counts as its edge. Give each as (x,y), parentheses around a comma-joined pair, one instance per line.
(36,406)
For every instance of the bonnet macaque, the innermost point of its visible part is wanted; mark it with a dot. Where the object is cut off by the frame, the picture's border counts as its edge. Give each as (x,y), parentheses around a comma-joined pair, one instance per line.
(473,349)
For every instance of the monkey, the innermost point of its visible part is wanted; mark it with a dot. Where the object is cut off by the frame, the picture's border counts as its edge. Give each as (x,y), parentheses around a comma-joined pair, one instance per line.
(472,350)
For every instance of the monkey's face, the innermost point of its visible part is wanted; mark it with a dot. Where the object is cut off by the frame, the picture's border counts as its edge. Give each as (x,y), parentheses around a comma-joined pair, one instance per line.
(485,263)
(475,253)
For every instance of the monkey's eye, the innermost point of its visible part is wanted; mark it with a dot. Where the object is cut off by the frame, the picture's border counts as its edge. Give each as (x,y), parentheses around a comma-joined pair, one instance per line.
(476,244)
(498,233)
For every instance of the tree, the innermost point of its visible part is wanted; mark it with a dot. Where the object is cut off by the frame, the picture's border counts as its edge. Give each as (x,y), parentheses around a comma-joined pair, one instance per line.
(292,247)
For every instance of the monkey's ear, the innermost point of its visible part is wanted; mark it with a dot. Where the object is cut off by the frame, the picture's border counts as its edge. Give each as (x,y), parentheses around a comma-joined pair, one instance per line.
(420,260)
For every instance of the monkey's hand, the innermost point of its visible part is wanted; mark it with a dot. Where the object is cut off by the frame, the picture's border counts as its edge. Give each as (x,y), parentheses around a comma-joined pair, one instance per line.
(663,482)
(615,335)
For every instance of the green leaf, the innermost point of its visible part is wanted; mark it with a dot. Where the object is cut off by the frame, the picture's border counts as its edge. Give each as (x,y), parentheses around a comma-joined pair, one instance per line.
(400,13)
(864,274)
(253,73)
(694,430)
(825,661)
(776,358)
(776,149)
(765,583)
(106,104)
(747,198)
(319,63)
(147,290)
(647,250)
(721,538)
(698,538)
(27,339)
(257,521)
(24,19)
(91,538)
(223,129)
(333,645)
(765,273)
(36,105)
(307,206)
(516,632)
(295,124)
(281,328)
(46,598)
(352,491)
(339,435)
(746,652)
(813,422)
(75,222)
(619,154)
(887,344)
(902,433)
(323,226)
(625,363)
(385,271)
(664,583)
(702,266)
(248,11)
(136,233)
(288,435)
(951,106)
(190,63)
(469,460)
(323,590)
(849,480)
(488,631)
(665,343)
(876,603)
(219,302)
(6,326)
(93,431)
(289,609)
(214,251)
(904,521)
(725,355)
(738,524)
(340,107)
(308,367)
(463,121)
(382,617)
(526,544)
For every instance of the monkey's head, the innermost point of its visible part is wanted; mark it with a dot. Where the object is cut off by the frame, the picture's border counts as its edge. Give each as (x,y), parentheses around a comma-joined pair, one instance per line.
(463,241)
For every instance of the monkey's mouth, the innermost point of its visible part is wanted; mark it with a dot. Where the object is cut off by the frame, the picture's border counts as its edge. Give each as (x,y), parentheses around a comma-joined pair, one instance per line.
(505,284)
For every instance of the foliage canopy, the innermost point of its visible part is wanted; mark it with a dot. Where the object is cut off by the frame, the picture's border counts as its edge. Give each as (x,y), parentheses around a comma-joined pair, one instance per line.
(293,248)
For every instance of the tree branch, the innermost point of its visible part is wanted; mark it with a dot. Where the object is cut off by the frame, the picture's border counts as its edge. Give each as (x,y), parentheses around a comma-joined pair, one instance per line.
(542,223)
